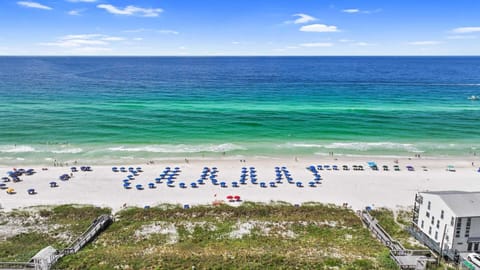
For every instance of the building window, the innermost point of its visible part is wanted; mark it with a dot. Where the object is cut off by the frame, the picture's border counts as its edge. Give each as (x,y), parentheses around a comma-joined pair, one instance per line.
(458,228)
(430,230)
(467,227)
(452,222)
(429,204)
(436,235)
(447,238)
(422,224)
(438,224)
(475,247)
(427,214)
(433,220)
(441,214)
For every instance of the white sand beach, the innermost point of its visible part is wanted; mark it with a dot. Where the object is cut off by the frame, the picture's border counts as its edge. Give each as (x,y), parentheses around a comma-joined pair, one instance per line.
(102,187)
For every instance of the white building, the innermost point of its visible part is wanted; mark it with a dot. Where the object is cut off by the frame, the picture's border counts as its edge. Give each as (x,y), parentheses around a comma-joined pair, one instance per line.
(449,217)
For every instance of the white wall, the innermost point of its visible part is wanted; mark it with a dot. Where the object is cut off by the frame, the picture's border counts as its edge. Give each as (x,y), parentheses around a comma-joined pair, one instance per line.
(436,207)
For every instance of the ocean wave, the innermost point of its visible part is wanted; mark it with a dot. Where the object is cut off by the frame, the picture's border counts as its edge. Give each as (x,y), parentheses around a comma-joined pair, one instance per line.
(356,146)
(17,149)
(180,148)
(68,151)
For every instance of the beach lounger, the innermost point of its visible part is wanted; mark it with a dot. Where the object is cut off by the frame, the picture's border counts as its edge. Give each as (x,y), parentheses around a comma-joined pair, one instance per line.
(235,184)
(193,185)
(3,186)
(223,184)
(182,185)
(263,185)
(312,184)
(126,186)
(122,169)
(345,168)
(139,187)
(299,184)
(53,184)
(31,191)
(237,198)
(151,185)
(10,191)
(335,167)
(273,184)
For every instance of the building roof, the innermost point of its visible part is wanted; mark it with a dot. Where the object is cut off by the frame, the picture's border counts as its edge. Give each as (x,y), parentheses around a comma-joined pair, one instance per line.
(462,203)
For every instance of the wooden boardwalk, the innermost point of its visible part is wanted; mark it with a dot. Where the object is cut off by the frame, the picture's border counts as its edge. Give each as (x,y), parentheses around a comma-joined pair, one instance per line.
(48,256)
(405,259)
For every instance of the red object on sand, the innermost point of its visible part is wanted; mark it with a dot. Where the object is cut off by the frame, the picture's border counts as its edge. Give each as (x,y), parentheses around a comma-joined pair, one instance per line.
(237,198)
(229,197)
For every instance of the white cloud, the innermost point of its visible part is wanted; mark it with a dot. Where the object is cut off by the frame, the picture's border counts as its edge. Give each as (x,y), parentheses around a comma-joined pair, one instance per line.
(75,12)
(131,10)
(351,10)
(138,39)
(462,37)
(356,10)
(113,38)
(29,4)
(166,31)
(424,43)
(464,30)
(84,1)
(320,28)
(316,44)
(84,40)
(362,44)
(303,18)
(235,42)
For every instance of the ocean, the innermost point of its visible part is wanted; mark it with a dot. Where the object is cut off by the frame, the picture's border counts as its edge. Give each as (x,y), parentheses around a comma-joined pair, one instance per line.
(128,109)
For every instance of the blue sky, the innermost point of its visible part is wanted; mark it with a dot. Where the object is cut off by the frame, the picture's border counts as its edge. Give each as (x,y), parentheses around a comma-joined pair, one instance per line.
(240,27)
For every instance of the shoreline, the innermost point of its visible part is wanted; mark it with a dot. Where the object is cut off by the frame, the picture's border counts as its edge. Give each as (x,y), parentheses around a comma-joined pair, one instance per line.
(102,187)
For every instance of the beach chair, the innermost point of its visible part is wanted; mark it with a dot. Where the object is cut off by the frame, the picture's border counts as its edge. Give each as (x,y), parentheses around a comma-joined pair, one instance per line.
(237,198)
(200,182)
(126,186)
(10,191)
(385,167)
(170,184)
(53,184)
(158,180)
(273,184)
(312,184)
(114,169)
(345,167)
(230,198)
(139,169)
(5,179)
(263,185)
(3,186)
(223,184)
(243,181)
(122,169)
(139,187)
(299,184)
(235,184)
(396,168)
(182,185)
(410,168)
(31,191)
(335,167)
(193,185)
(151,185)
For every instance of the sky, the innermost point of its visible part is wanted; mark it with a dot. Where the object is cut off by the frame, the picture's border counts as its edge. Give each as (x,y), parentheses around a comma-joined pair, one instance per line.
(239,27)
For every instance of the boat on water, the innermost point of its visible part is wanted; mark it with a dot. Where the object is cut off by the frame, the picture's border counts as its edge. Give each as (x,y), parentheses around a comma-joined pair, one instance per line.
(474,98)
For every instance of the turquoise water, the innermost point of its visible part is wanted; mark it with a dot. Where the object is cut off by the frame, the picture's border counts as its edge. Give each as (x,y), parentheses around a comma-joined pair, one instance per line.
(104,109)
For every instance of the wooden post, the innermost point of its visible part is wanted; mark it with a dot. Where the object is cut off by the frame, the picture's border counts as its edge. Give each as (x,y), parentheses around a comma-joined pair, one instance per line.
(441,245)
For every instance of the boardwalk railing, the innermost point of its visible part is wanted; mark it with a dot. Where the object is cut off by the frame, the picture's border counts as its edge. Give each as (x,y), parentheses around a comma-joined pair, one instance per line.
(404,258)
(44,261)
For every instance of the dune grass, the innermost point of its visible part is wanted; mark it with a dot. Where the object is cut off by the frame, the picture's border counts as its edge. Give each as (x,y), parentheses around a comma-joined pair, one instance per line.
(251,236)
